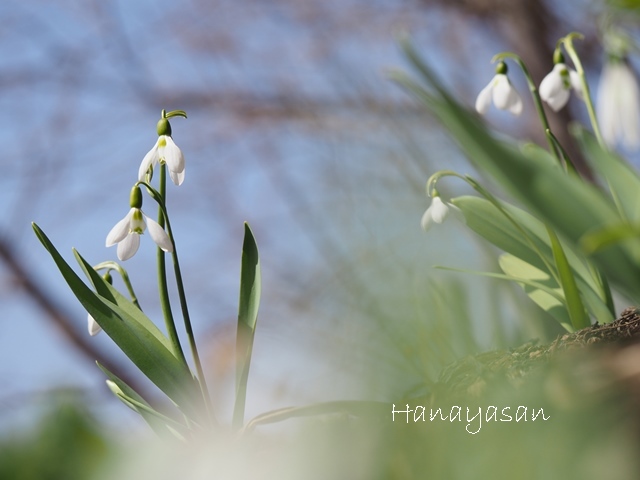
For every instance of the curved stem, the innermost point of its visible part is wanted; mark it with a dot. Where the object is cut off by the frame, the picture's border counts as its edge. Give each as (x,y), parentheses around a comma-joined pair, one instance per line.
(110,265)
(537,101)
(568,45)
(496,203)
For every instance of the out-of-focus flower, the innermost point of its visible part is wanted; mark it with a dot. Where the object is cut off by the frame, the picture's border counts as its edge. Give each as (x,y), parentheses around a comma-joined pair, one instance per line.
(92,325)
(436,213)
(618,105)
(555,88)
(501,92)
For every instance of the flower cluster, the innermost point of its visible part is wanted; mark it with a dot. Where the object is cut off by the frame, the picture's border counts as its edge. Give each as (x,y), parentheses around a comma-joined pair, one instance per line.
(126,233)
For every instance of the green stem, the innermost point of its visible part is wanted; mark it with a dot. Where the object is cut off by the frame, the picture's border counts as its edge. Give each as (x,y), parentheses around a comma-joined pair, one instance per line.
(159,198)
(162,277)
(537,101)
(187,323)
(568,45)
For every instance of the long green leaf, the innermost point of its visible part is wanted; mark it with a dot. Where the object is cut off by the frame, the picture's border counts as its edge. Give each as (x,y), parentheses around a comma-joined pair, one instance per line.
(484,219)
(250,288)
(577,313)
(622,179)
(148,353)
(110,293)
(550,298)
(156,420)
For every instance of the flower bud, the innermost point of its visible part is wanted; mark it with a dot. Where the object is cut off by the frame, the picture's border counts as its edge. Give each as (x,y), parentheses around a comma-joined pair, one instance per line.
(135,198)
(501,68)
(163,127)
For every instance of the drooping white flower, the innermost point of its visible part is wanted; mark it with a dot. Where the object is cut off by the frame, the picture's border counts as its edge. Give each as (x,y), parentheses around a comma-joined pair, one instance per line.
(618,105)
(501,92)
(555,88)
(165,150)
(436,213)
(126,233)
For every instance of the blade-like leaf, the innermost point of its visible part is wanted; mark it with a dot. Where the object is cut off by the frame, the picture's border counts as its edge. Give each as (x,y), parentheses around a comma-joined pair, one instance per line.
(110,293)
(622,179)
(577,313)
(156,420)
(250,288)
(484,219)
(550,299)
(149,354)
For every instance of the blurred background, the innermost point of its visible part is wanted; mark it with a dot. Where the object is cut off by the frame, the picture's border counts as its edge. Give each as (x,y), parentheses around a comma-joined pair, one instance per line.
(292,127)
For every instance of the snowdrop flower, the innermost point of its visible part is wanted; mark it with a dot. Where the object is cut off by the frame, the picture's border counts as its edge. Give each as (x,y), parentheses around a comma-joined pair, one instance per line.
(500,90)
(164,151)
(555,88)
(126,233)
(618,104)
(437,212)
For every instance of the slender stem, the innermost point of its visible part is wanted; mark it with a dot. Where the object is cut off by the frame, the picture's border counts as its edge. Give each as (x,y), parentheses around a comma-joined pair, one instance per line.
(537,101)
(162,277)
(568,45)
(187,320)
(568,163)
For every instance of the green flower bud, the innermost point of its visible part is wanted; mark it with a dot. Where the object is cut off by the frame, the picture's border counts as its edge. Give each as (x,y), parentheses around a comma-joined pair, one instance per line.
(135,198)
(108,278)
(163,127)
(502,68)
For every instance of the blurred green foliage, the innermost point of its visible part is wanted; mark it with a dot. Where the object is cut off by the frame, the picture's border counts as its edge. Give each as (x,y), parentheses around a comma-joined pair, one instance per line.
(66,444)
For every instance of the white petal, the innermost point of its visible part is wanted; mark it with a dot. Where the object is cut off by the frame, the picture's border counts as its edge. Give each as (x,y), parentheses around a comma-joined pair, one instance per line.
(576,84)
(173,156)
(559,100)
(553,89)
(439,210)
(483,102)
(177,178)
(159,235)
(505,96)
(150,159)
(426,220)
(605,105)
(93,326)
(552,84)
(128,247)
(120,230)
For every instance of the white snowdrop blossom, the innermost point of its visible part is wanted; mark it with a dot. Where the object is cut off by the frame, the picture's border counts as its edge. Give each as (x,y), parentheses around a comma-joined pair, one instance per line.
(165,150)
(501,92)
(126,233)
(93,326)
(436,213)
(555,88)
(618,105)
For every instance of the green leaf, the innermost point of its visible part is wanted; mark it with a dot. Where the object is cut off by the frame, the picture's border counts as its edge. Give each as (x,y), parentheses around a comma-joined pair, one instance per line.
(250,288)
(622,179)
(156,420)
(108,292)
(550,298)
(610,235)
(147,352)
(577,313)
(488,222)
